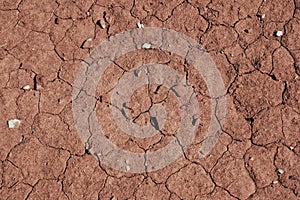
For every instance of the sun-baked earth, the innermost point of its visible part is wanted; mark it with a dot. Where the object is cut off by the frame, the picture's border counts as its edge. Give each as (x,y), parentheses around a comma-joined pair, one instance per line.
(256,48)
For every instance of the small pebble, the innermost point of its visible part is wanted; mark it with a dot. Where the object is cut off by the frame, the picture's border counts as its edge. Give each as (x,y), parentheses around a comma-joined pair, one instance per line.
(101,23)
(88,43)
(26,87)
(139,25)
(127,166)
(280,171)
(275,182)
(137,72)
(291,148)
(261,16)
(146,46)
(279,33)
(13,123)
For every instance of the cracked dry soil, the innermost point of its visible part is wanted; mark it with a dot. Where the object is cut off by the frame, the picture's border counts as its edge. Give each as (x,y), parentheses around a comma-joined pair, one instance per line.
(258,153)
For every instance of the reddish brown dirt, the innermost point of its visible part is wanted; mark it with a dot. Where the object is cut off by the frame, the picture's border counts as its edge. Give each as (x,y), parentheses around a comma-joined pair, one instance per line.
(258,153)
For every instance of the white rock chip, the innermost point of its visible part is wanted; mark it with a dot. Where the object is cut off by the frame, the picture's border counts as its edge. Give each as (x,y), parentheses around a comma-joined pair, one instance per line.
(102,23)
(279,33)
(275,182)
(261,17)
(13,123)
(146,46)
(139,25)
(26,87)
(280,171)
(127,166)
(291,148)
(88,43)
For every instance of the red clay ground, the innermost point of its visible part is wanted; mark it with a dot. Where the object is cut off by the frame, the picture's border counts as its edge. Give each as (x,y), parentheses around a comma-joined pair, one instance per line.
(258,153)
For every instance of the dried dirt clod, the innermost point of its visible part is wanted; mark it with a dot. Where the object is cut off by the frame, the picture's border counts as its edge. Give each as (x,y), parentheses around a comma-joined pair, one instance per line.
(146,46)
(38,87)
(13,123)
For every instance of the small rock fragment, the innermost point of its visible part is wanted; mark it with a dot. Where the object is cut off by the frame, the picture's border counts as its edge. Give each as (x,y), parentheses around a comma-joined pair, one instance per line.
(26,87)
(39,82)
(101,23)
(146,46)
(278,33)
(88,43)
(139,25)
(261,16)
(291,148)
(13,123)
(137,72)
(280,171)
(127,166)
(275,182)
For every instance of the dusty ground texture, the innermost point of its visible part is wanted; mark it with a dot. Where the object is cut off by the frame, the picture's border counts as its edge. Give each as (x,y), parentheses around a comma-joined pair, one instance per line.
(258,153)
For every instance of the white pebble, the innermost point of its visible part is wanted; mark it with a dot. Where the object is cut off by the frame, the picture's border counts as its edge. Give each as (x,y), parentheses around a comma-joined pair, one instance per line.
(146,46)
(140,25)
(88,43)
(263,16)
(275,182)
(102,23)
(14,123)
(291,148)
(279,33)
(26,87)
(127,166)
(280,171)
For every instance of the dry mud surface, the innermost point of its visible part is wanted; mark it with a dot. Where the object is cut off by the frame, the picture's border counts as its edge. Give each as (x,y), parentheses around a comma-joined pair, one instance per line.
(43,44)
